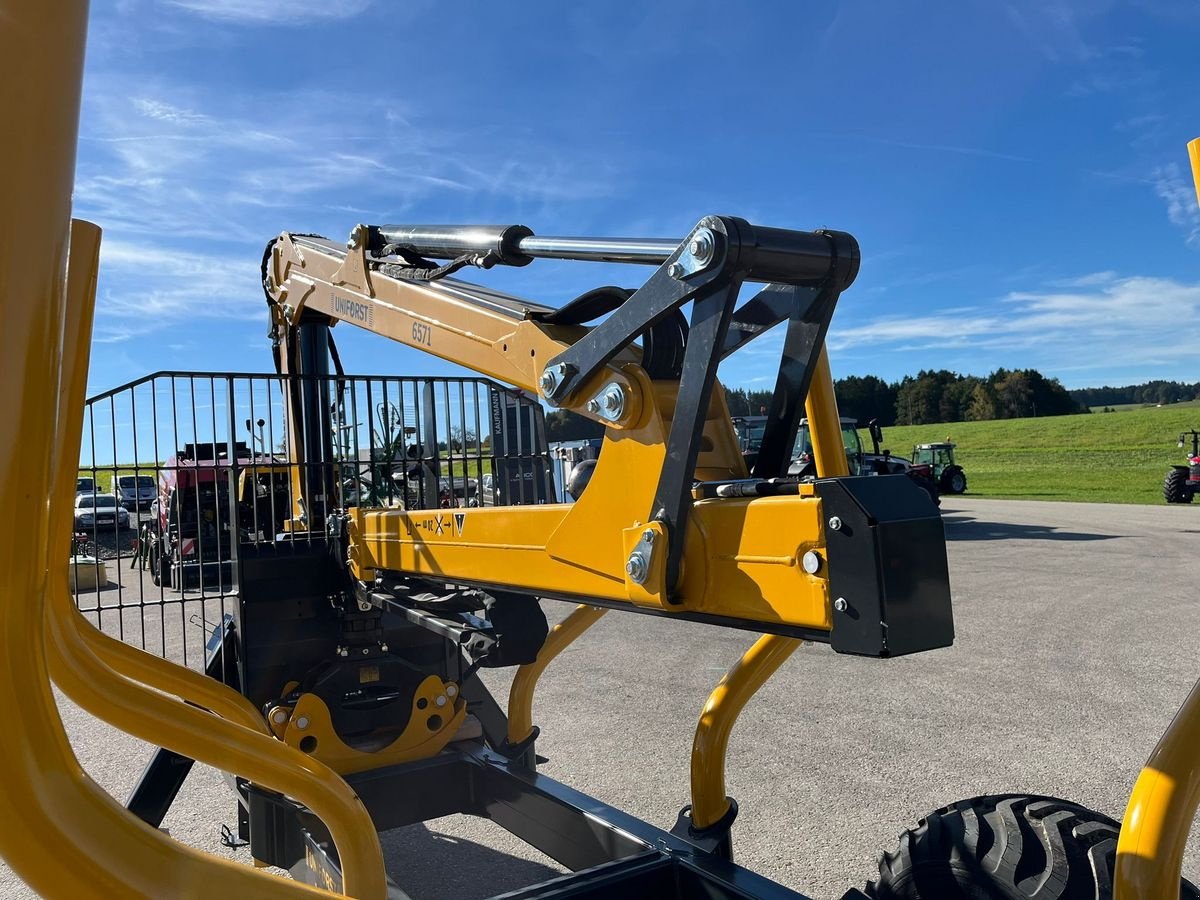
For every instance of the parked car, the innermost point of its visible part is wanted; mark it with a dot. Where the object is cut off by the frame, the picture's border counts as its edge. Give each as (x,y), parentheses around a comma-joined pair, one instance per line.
(85,486)
(97,511)
(136,492)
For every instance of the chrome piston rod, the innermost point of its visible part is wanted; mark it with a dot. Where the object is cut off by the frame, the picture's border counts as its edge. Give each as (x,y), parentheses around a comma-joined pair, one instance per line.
(516,245)
(647,251)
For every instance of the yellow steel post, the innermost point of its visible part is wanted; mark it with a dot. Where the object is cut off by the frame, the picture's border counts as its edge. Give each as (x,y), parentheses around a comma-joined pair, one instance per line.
(147,714)
(1160,812)
(725,703)
(1166,795)
(520,695)
(824,425)
(73,839)
(1194,155)
(189,685)
(709,801)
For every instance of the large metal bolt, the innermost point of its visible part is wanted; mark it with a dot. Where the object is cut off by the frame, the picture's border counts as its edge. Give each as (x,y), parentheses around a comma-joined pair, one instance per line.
(648,535)
(614,399)
(548,382)
(302,722)
(635,568)
(840,604)
(593,406)
(811,561)
(835,524)
(675,270)
(701,246)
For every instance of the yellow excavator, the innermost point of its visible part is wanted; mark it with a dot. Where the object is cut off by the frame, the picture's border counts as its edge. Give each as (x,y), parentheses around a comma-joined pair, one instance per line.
(407,531)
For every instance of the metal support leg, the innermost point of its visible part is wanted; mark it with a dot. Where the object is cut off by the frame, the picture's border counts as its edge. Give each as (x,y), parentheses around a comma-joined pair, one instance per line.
(1161,810)
(520,696)
(710,805)
(712,812)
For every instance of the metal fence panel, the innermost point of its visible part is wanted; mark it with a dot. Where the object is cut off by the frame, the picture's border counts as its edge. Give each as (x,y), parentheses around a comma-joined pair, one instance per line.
(179,470)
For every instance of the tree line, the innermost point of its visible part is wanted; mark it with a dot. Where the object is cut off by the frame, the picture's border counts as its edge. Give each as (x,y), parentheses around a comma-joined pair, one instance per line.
(1150,392)
(933,396)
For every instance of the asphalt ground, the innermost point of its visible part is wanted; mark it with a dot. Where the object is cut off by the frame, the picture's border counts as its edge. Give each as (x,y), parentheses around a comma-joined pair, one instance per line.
(1076,633)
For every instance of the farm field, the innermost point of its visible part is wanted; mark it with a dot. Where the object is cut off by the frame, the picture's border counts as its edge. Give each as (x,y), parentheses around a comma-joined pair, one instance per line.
(1117,457)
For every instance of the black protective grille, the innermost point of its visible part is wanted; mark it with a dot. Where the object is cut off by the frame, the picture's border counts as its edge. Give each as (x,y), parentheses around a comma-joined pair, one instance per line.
(202,465)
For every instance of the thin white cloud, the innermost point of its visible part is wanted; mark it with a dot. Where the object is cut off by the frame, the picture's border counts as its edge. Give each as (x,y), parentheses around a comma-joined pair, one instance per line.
(931,147)
(188,188)
(150,287)
(1098,323)
(165,112)
(1051,29)
(273,12)
(1183,210)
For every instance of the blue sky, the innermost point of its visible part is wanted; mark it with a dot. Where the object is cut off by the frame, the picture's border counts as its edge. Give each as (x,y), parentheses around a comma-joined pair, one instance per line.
(1015,172)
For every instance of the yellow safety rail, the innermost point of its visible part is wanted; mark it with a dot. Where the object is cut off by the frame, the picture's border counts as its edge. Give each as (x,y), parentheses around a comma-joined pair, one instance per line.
(1166,795)
(74,839)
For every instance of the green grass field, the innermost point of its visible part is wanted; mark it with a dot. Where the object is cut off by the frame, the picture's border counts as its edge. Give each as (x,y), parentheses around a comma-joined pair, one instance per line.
(1103,457)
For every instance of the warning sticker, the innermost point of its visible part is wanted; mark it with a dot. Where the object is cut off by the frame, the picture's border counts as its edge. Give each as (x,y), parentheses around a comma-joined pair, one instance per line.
(459,520)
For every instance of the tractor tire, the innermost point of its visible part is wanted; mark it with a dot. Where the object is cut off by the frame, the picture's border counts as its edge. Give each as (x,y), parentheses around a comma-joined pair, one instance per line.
(1175,486)
(954,481)
(928,485)
(1006,847)
(160,566)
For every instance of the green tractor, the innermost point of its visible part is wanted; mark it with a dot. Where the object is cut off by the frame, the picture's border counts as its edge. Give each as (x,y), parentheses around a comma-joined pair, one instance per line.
(947,473)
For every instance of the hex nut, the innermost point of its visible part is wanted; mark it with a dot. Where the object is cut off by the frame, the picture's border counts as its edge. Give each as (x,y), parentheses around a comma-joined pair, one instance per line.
(635,568)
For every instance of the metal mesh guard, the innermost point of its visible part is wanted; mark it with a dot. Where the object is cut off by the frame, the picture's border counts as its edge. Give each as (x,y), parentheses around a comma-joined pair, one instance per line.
(179,470)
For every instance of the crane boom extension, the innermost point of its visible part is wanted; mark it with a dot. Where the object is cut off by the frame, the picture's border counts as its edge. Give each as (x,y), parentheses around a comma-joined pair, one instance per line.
(672,522)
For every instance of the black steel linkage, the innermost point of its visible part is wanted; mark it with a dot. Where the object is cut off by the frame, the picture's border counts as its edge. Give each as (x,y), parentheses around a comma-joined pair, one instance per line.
(807,326)
(492,719)
(672,498)
(657,299)
(719,250)
(773,304)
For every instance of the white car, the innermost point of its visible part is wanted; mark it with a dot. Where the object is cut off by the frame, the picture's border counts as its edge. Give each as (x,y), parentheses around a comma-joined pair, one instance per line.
(96,511)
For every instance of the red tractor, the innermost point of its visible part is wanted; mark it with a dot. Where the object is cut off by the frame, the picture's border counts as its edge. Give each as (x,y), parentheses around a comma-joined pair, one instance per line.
(206,498)
(1182,482)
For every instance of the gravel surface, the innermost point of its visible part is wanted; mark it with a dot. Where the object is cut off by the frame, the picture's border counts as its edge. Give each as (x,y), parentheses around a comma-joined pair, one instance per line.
(1076,634)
